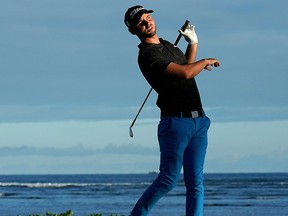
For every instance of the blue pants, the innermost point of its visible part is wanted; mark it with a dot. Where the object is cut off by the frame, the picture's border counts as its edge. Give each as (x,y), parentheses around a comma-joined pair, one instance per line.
(183,142)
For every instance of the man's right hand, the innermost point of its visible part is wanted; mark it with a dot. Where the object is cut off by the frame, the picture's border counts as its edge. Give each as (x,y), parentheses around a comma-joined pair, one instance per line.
(211,62)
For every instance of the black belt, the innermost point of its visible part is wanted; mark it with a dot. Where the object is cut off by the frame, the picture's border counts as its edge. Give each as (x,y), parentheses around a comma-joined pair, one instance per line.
(186,114)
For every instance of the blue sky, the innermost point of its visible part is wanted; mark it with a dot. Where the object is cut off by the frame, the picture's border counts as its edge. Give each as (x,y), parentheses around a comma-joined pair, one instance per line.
(70,83)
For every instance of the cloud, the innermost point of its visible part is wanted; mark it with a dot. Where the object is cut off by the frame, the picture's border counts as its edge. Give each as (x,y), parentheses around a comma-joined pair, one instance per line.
(77,151)
(61,62)
(57,63)
(124,159)
(47,151)
(50,113)
(269,162)
(249,113)
(78,160)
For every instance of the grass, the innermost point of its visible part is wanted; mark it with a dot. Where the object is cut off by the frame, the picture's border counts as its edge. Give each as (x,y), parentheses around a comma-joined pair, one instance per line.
(68,213)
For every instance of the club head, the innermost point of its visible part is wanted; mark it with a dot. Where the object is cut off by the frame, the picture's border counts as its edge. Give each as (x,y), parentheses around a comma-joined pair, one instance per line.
(130,132)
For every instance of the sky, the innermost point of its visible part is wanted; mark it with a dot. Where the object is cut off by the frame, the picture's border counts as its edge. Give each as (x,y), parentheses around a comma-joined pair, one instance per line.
(70,85)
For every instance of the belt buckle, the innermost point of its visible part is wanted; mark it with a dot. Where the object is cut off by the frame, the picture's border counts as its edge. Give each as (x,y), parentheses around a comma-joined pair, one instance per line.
(195,114)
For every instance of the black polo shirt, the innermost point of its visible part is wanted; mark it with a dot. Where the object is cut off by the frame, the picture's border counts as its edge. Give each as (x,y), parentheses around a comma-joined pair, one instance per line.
(174,94)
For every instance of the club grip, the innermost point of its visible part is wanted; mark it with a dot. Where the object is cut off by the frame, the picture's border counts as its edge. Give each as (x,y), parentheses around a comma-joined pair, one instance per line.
(185,25)
(183,28)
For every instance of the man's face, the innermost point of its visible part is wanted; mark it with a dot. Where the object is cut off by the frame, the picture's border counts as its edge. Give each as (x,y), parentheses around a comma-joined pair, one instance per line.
(146,27)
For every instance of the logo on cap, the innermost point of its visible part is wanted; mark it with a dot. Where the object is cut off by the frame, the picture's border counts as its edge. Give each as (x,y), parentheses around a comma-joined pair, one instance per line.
(134,12)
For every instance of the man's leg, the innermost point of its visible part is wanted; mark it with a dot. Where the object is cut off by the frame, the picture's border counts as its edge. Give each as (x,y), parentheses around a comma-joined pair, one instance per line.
(193,163)
(172,144)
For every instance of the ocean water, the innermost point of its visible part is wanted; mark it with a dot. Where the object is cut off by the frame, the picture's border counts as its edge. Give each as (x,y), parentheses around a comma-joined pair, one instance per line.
(257,194)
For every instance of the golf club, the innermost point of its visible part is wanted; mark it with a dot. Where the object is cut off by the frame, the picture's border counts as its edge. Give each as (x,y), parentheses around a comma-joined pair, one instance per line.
(175,44)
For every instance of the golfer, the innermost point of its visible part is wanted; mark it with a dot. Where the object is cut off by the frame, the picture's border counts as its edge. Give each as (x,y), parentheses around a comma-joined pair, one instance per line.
(182,130)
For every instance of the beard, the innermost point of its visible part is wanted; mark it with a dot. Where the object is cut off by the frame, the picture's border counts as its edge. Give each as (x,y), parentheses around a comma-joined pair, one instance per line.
(147,34)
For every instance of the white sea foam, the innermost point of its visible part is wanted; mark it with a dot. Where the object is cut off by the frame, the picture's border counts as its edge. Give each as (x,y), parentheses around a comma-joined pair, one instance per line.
(59,185)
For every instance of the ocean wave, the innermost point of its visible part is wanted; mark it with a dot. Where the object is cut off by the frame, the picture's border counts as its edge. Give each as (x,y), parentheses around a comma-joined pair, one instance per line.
(67,185)
(8,194)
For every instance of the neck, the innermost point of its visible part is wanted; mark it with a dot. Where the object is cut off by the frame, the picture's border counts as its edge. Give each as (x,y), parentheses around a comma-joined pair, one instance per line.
(153,40)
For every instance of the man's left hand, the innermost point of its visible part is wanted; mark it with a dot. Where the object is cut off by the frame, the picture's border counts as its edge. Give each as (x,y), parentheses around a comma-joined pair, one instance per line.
(189,34)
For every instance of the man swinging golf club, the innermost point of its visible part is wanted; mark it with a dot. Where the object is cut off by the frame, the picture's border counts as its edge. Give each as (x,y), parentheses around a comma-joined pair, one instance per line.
(183,127)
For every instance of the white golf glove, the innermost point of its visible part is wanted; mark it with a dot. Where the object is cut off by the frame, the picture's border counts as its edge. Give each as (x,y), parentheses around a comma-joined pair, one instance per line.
(189,34)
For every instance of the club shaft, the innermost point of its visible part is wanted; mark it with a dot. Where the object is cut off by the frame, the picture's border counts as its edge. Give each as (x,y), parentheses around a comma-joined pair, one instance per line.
(131,133)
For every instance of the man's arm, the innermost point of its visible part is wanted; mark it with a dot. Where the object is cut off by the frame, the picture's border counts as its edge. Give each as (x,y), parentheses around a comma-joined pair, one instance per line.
(190,70)
(191,37)
(191,52)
